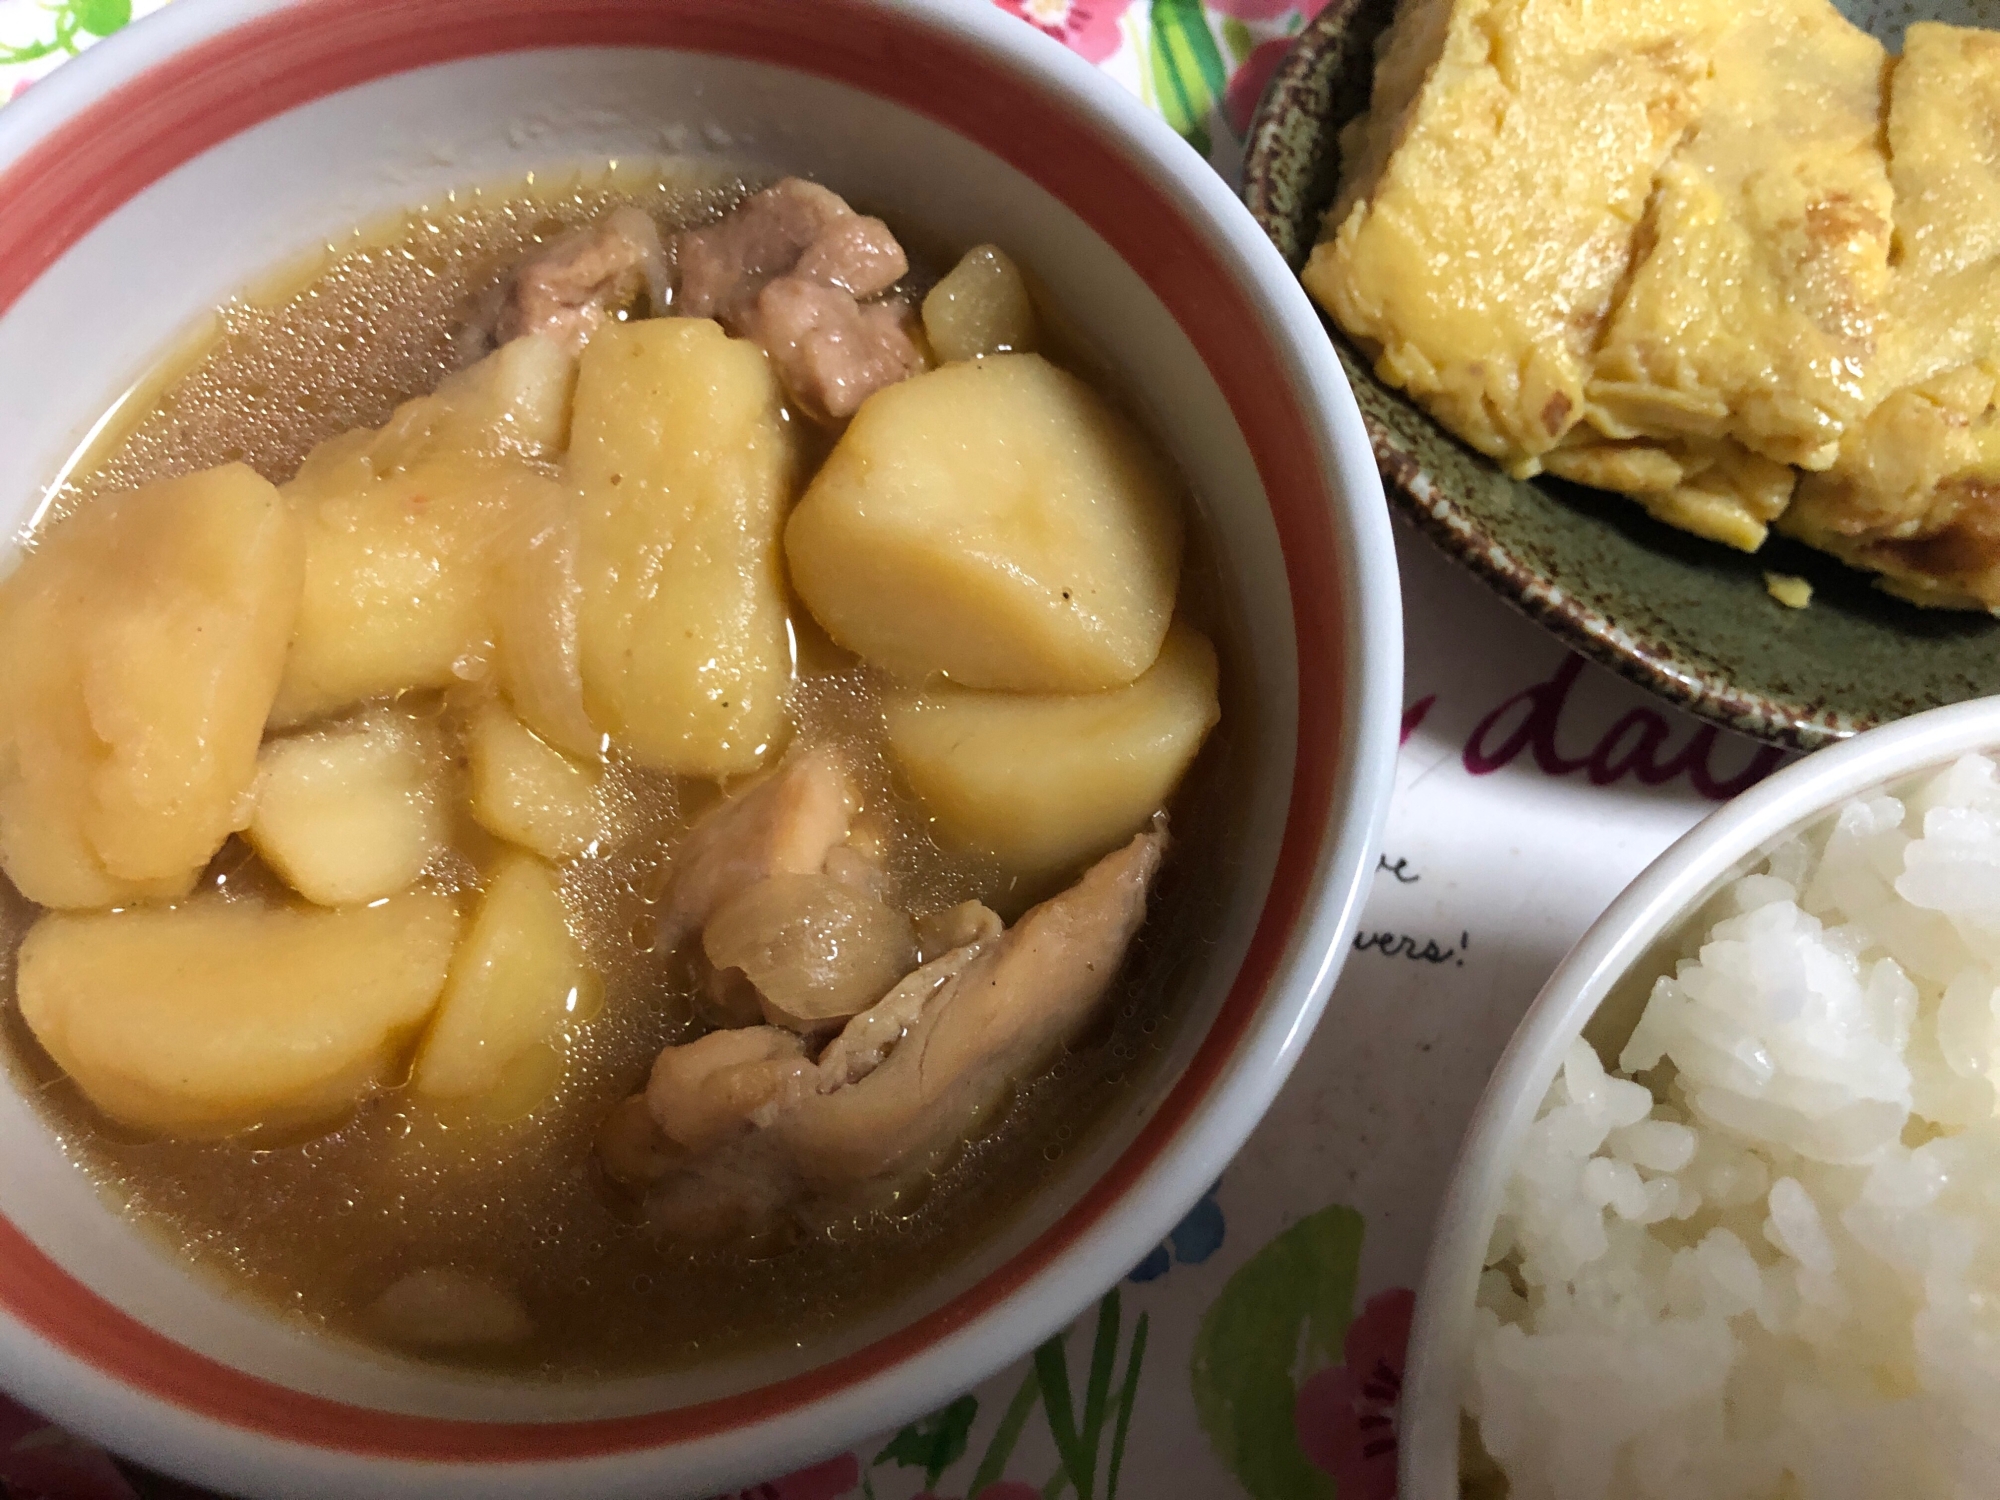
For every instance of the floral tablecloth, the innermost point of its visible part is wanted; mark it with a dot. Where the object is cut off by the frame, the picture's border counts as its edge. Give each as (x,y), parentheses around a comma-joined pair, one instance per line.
(1258,1350)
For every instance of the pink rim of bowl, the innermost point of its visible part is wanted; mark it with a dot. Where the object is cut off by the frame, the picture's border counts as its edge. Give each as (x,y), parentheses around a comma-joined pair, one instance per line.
(82,156)
(1667,894)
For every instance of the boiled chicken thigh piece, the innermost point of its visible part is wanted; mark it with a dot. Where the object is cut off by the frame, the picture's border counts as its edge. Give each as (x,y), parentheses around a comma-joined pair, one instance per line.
(800,273)
(784,824)
(567,291)
(987,1023)
(905,1082)
(712,1090)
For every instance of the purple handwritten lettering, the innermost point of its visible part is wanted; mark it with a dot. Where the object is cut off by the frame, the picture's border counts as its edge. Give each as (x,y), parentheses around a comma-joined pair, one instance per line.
(1414,715)
(1633,746)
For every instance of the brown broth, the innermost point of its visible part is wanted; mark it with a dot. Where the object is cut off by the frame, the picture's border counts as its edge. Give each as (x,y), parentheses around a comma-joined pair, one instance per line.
(317,1228)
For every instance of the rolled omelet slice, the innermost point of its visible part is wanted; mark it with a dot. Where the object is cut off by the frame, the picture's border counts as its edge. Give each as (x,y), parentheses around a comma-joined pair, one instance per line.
(1713,487)
(1914,493)
(1757,300)
(1491,198)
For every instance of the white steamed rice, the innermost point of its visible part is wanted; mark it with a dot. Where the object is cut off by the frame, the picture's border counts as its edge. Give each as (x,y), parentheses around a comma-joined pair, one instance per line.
(1771,1270)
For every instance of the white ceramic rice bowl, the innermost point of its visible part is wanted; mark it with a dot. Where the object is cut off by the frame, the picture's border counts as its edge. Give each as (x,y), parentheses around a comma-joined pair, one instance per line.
(1654,910)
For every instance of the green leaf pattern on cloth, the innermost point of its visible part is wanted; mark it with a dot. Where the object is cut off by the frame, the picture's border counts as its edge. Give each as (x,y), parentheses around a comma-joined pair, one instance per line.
(1080,1437)
(935,1443)
(1188,75)
(1281,1318)
(36,36)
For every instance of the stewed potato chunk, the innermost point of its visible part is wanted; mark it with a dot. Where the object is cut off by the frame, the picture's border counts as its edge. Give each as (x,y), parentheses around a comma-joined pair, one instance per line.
(994,522)
(405,524)
(440,1308)
(528,792)
(512,404)
(215,1016)
(981,307)
(686,464)
(140,646)
(353,812)
(1044,783)
(398,575)
(514,978)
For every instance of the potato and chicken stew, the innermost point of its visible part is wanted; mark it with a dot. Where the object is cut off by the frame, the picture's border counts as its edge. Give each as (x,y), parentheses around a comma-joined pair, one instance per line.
(666,802)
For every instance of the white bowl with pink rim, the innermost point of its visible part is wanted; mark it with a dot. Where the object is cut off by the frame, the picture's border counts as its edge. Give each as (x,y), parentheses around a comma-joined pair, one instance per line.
(171,166)
(1585,996)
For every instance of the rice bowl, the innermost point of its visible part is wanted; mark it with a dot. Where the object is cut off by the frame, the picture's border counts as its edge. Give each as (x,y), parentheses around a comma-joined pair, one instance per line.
(1743,1240)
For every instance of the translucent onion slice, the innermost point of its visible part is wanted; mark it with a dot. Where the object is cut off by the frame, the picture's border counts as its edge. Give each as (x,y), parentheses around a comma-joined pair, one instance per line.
(535,614)
(816,949)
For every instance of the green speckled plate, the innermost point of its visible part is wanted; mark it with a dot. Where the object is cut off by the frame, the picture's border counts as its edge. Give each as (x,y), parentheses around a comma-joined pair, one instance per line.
(1687,618)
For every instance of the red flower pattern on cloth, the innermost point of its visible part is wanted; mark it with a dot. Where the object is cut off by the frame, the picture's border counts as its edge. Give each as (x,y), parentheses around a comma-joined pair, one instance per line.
(1346,1416)
(1247,87)
(1253,74)
(827,1481)
(40,1462)
(1088,28)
